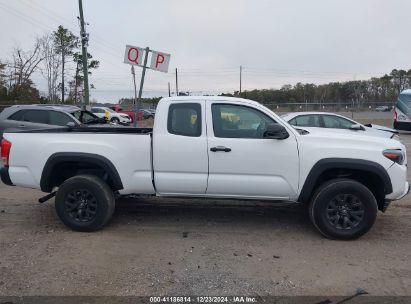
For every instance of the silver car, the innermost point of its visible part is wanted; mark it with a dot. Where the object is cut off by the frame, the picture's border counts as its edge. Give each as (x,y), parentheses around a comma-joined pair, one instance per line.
(336,123)
(43,117)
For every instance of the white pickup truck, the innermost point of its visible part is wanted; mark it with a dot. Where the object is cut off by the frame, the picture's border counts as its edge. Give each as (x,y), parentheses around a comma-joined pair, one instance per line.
(212,147)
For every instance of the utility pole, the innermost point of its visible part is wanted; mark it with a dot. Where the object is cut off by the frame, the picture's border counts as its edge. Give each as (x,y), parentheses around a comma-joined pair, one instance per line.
(241,76)
(84,43)
(169,92)
(176,83)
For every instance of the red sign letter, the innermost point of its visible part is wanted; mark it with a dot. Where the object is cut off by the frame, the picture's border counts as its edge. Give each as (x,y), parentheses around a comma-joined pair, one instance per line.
(135,60)
(160,59)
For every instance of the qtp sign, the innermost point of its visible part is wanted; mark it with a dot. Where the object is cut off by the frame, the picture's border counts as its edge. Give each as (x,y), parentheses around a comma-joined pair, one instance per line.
(134,55)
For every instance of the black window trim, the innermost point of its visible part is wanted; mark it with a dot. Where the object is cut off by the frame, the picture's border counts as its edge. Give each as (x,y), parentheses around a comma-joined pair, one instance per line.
(236,105)
(199,118)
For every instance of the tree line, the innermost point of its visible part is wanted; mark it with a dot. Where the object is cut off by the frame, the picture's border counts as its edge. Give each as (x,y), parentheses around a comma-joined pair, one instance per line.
(383,89)
(57,57)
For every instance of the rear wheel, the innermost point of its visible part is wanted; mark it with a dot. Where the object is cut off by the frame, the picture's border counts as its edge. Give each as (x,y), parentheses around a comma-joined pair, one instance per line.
(343,209)
(85,203)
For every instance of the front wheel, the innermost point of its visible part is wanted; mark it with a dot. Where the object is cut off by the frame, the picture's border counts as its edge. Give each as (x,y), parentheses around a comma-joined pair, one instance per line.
(343,209)
(115,121)
(85,203)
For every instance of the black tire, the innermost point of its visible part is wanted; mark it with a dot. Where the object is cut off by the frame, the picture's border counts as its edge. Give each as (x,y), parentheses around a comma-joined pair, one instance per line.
(115,120)
(85,203)
(338,199)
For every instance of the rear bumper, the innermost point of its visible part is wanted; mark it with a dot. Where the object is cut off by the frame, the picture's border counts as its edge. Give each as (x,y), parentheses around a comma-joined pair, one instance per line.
(5,177)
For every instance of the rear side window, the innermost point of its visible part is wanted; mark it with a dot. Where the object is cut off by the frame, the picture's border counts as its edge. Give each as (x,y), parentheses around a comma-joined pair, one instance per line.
(59,119)
(17,116)
(36,116)
(336,122)
(184,119)
(307,121)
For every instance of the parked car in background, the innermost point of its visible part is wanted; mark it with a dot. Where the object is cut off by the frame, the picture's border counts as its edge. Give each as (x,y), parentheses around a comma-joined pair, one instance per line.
(337,123)
(131,114)
(383,109)
(402,111)
(44,116)
(148,114)
(143,114)
(111,115)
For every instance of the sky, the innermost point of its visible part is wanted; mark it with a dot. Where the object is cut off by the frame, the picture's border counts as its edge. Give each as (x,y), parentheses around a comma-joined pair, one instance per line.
(276,42)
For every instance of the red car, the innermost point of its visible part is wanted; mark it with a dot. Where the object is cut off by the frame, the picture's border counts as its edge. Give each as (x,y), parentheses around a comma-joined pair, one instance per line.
(132,114)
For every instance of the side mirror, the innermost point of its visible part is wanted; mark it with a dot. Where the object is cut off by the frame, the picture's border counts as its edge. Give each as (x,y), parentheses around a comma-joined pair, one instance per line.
(70,124)
(357,127)
(276,131)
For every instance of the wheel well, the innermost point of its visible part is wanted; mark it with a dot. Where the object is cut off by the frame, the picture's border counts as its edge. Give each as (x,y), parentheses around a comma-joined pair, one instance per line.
(63,166)
(369,179)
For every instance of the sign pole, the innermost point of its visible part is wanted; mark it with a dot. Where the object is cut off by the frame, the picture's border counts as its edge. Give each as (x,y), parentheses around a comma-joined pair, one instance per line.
(143,74)
(135,94)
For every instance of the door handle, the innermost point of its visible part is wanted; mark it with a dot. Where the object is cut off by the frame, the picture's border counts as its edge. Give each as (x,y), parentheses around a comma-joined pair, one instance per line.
(220,149)
(22,126)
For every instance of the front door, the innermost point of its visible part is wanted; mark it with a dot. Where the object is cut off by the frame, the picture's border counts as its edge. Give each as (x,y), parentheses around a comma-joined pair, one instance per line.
(242,163)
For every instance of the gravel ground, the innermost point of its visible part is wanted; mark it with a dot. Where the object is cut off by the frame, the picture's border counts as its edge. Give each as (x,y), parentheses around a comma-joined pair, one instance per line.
(197,247)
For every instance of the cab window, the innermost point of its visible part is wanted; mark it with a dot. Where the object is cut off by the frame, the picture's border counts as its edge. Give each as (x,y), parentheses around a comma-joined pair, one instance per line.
(184,119)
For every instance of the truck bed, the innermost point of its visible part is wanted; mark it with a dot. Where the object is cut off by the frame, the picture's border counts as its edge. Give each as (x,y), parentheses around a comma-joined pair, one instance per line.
(126,149)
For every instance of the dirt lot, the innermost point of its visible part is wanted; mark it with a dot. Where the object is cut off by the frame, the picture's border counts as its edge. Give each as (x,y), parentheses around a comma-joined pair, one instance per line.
(174,247)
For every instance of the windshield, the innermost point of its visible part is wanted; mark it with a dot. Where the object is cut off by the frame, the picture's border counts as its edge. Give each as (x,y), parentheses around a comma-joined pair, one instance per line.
(84,116)
(404,103)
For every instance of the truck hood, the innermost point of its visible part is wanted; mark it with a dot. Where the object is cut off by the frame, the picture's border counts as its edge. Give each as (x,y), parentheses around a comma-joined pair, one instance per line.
(367,132)
(360,139)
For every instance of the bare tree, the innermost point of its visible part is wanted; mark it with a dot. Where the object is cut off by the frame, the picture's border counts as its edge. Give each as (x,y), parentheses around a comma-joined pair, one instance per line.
(65,42)
(50,67)
(26,63)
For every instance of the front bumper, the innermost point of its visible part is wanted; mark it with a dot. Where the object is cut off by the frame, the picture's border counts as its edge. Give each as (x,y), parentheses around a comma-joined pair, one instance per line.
(5,177)
(406,191)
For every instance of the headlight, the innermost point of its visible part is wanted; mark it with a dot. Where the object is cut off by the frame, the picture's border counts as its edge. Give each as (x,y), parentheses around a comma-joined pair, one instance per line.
(396,156)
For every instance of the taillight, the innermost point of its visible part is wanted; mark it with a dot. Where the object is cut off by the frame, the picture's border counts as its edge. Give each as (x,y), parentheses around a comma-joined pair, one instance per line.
(5,152)
(395,115)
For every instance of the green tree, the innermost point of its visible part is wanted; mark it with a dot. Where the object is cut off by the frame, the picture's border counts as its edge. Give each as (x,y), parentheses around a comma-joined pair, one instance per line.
(78,75)
(65,42)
